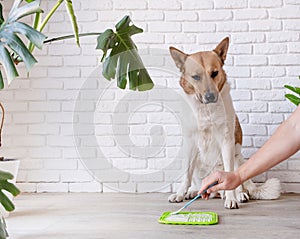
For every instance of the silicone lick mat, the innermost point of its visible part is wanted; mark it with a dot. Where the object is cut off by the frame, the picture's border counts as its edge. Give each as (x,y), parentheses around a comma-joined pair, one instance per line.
(189,218)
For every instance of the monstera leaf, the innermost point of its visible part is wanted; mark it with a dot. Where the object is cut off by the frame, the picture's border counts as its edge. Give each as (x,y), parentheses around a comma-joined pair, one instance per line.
(11,43)
(4,200)
(123,61)
(291,97)
(7,186)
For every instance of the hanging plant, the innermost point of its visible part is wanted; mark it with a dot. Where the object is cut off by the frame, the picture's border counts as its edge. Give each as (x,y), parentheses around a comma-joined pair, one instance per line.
(123,62)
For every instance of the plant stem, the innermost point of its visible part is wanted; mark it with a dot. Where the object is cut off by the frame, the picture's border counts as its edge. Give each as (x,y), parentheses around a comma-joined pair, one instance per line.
(37,20)
(49,15)
(41,26)
(72,36)
(36,23)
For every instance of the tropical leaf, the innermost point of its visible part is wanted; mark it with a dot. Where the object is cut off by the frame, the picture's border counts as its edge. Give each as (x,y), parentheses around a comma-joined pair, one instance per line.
(106,40)
(123,61)
(294,99)
(8,64)
(9,187)
(5,175)
(294,89)
(4,200)
(12,44)
(17,12)
(72,16)
(1,16)
(1,81)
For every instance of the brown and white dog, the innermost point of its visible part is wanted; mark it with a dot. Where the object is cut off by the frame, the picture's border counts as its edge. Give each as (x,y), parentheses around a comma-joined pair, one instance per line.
(217,134)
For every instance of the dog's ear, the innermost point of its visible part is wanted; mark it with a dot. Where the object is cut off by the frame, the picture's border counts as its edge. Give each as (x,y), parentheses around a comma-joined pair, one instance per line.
(222,49)
(178,56)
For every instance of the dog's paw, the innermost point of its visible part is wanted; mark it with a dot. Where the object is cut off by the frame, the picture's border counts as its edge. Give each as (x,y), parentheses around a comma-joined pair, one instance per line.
(222,194)
(243,197)
(191,194)
(231,204)
(175,198)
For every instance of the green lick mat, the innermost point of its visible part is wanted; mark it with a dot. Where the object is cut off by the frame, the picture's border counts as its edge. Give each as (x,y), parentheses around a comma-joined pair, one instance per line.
(189,218)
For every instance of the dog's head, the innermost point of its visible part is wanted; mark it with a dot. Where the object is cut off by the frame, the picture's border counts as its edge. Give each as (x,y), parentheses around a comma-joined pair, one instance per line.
(202,72)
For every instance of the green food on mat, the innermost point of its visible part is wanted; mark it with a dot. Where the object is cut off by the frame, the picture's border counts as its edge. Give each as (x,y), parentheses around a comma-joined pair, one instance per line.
(189,218)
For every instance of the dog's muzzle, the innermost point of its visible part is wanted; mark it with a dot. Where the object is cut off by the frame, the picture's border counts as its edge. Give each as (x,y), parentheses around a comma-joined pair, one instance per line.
(210,98)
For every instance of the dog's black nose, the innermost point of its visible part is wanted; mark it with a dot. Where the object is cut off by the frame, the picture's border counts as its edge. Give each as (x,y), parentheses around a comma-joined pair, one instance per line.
(210,97)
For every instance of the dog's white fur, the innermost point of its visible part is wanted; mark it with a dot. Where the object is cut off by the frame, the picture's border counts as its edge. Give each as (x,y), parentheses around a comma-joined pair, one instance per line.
(211,143)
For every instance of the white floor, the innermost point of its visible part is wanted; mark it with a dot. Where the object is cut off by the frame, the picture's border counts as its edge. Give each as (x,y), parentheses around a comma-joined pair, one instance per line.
(134,216)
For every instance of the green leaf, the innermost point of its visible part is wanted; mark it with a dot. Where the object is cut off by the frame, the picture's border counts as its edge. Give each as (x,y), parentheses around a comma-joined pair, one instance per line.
(1,81)
(125,27)
(294,89)
(32,35)
(9,187)
(6,202)
(294,99)
(123,61)
(72,16)
(123,23)
(134,79)
(16,44)
(12,44)
(105,41)
(8,64)
(5,175)
(144,83)
(1,14)
(122,73)
(109,68)
(18,11)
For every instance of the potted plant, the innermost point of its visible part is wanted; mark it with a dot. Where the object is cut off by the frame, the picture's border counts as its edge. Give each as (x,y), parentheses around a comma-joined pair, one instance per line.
(120,57)
(121,61)
(12,49)
(7,165)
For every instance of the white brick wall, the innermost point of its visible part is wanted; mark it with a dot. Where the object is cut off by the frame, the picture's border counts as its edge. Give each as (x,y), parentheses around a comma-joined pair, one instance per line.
(61,121)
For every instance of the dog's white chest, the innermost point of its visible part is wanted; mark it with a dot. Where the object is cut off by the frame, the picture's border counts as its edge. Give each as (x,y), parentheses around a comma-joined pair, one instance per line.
(215,126)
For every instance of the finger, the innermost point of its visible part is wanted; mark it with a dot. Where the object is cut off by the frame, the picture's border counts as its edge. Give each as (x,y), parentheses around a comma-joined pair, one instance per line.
(205,196)
(208,181)
(215,188)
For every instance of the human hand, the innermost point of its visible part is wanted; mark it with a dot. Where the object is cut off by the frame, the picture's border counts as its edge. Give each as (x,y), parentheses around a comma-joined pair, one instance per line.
(226,181)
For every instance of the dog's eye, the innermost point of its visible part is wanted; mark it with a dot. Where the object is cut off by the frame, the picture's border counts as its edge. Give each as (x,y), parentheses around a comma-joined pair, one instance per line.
(214,74)
(196,77)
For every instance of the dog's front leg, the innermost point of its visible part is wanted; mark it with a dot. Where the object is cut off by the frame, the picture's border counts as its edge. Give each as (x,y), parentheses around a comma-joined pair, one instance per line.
(228,155)
(189,167)
(196,181)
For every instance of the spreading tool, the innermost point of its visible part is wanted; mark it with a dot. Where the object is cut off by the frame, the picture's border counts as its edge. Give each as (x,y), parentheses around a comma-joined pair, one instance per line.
(194,199)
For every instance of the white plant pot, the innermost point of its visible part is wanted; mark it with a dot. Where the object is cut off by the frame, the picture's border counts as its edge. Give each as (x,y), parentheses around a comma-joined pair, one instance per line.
(11,166)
